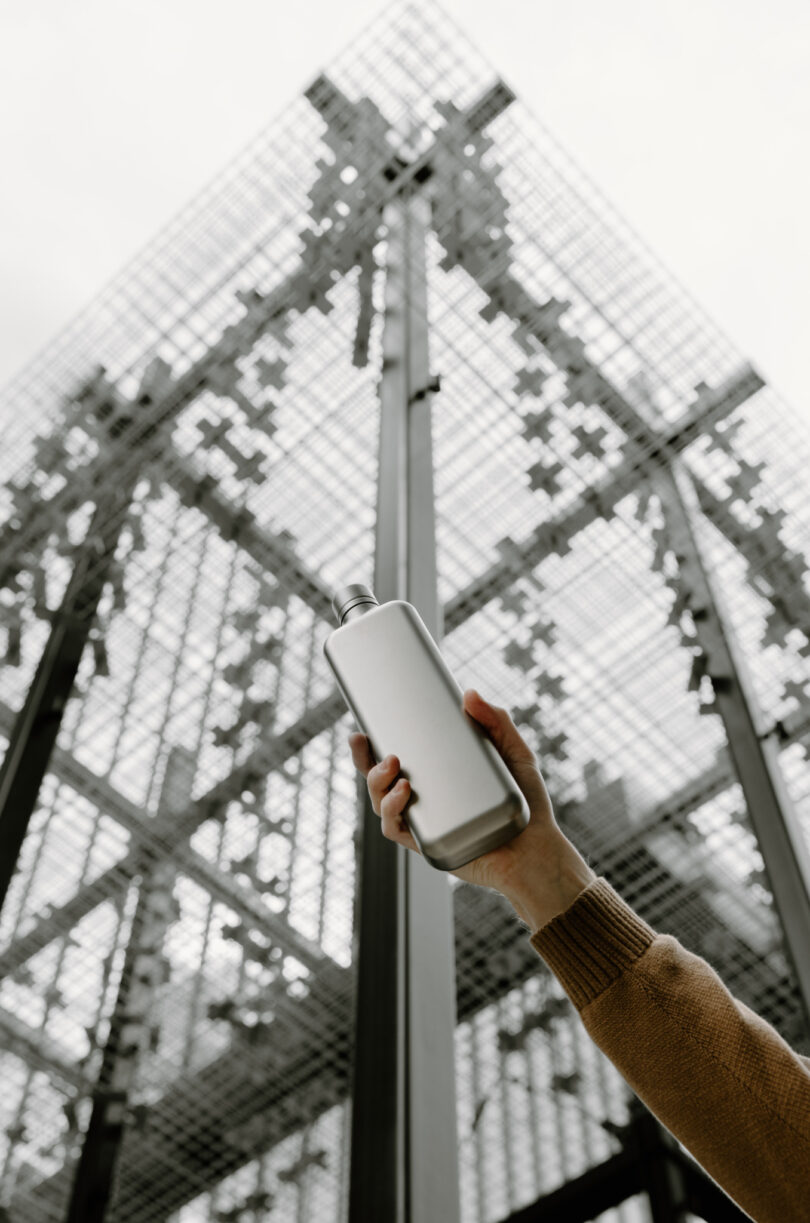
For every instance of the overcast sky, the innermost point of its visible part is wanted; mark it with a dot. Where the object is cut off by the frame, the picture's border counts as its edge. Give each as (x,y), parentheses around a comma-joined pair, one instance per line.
(692,116)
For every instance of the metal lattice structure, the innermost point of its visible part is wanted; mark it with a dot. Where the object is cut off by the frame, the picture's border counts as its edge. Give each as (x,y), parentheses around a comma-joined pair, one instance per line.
(187,475)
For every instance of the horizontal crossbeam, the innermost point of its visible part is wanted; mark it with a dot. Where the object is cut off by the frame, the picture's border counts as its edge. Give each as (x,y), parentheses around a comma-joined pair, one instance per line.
(30,1044)
(599,500)
(277,1085)
(146,842)
(549,537)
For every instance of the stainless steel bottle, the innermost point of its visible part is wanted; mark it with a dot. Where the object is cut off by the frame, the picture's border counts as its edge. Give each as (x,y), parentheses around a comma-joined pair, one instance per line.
(463,801)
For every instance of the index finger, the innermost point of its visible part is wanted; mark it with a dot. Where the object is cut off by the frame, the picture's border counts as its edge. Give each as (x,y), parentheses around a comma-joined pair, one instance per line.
(361,752)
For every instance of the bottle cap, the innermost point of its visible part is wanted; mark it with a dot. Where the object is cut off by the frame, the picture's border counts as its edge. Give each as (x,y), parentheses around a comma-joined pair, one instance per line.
(347,597)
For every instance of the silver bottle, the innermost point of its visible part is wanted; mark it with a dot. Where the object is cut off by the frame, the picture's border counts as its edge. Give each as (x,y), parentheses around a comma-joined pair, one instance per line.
(464,802)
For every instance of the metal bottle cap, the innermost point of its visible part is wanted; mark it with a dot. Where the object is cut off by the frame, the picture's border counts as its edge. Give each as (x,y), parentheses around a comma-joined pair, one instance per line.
(347,597)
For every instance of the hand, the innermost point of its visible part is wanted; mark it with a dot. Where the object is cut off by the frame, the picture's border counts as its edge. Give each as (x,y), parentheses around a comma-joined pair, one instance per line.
(539,855)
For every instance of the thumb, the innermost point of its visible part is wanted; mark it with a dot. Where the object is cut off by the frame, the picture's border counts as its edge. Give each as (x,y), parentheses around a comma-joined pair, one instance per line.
(517,755)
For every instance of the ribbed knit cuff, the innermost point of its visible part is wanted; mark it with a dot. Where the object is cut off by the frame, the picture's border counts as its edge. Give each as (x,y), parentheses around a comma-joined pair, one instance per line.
(592,943)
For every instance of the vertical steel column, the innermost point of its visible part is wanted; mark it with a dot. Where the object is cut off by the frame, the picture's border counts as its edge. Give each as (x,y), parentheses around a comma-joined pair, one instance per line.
(754,748)
(130,1021)
(37,724)
(404,1141)
(662,1173)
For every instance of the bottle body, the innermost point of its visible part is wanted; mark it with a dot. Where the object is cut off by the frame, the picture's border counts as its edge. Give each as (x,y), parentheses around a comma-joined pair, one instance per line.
(464,802)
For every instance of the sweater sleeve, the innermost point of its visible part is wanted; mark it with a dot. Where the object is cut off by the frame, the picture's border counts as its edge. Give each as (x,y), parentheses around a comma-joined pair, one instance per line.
(719,1077)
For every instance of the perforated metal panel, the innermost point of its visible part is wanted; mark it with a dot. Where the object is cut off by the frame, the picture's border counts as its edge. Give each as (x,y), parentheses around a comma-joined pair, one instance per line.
(222,395)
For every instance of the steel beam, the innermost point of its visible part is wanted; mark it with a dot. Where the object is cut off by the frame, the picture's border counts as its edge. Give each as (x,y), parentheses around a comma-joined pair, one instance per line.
(116,878)
(150,842)
(41,1052)
(419,1068)
(271,552)
(554,535)
(276,1087)
(37,725)
(31,1045)
(662,1174)
(551,536)
(587,1196)
(127,429)
(404,1147)
(650,1161)
(129,1034)
(753,746)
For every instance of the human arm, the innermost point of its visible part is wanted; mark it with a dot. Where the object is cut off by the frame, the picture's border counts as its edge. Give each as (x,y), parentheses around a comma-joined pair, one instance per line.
(719,1077)
(716,1075)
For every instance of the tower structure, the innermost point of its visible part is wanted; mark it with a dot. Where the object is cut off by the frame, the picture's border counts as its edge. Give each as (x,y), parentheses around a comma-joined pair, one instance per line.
(402,340)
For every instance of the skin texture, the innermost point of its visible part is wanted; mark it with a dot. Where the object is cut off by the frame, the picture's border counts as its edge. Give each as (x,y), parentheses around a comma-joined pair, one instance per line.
(539,871)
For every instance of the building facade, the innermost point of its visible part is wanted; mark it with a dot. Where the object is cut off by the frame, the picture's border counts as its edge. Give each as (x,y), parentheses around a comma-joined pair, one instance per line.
(401,340)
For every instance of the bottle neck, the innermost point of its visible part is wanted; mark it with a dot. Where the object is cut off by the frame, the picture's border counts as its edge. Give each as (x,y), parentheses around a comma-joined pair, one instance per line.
(359,609)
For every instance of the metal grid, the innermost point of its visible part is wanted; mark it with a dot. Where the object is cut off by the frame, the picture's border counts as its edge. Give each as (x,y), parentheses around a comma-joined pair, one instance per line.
(206,737)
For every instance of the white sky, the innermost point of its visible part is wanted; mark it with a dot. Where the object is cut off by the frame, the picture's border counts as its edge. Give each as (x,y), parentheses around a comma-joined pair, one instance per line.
(693,116)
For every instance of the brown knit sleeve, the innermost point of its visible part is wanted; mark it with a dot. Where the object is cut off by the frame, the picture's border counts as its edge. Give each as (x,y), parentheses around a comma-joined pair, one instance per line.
(720,1078)
(592,943)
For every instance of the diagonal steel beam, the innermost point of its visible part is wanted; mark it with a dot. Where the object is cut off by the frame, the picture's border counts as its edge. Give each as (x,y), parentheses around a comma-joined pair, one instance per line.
(599,500)
(271,552)
(770,560)
(146,836)
(650,446)
(41,1052)
(552,536)
(294,1073)
(35,1048)
(754,750)
(116,879)
(555,535)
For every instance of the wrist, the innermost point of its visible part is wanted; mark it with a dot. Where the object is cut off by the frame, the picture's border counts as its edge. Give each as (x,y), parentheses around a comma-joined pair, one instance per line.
(551,879)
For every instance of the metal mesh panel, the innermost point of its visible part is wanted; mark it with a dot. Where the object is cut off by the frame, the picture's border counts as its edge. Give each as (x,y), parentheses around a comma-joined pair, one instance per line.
(219,401)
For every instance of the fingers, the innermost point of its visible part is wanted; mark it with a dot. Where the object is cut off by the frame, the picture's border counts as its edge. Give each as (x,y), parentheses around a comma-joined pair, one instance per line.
(389,793)
(393,821)
(518,757)
(379,776)
(361,752)
(381,779)
(497,725)
(500,728)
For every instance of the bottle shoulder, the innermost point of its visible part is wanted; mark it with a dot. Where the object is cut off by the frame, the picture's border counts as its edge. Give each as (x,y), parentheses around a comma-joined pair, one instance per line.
(399,606)
(392,607)
(398,609)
